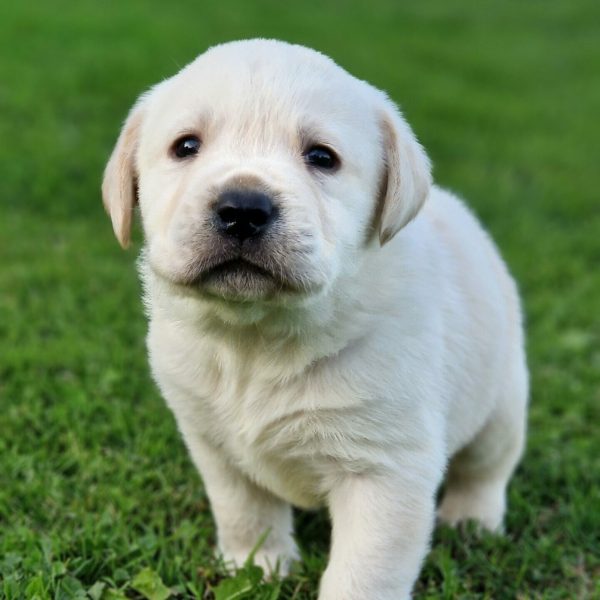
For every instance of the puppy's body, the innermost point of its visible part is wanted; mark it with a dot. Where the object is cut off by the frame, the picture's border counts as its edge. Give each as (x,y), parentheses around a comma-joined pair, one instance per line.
(355,389)
(292,402)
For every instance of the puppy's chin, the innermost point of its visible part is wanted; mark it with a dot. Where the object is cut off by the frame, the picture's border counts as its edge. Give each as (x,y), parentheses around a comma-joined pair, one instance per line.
(239,280)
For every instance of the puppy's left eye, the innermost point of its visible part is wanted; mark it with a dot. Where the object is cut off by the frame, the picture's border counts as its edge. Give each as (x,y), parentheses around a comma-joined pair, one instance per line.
(188,145)
(321,157)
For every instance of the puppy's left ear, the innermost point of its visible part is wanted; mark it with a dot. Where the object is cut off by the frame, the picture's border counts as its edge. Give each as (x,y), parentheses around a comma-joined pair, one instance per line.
(119,186)
(407,174)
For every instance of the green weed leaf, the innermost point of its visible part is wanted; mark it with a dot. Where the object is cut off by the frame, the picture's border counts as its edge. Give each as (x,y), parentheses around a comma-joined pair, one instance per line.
(96,591)
(243,585)
(148,583)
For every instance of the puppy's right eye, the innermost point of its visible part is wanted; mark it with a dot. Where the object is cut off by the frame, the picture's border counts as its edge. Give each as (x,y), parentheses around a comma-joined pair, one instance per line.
(188,145)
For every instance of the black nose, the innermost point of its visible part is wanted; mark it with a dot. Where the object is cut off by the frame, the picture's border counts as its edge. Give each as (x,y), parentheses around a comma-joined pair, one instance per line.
(243,213)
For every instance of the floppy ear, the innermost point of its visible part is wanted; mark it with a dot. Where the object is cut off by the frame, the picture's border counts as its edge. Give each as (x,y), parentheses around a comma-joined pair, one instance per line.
(119,186)
(407,175)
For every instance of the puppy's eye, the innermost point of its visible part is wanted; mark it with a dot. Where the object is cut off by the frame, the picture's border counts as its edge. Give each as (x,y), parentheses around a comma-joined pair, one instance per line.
(321,157)
(188,145)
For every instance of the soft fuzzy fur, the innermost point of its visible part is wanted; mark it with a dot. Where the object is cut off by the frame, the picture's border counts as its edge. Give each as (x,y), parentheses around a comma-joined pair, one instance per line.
(390,351)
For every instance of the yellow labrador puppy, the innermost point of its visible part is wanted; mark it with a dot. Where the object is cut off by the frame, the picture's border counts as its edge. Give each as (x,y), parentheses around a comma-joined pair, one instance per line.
(327,326)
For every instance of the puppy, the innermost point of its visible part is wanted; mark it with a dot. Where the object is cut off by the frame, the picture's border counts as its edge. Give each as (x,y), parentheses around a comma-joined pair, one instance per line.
(327,327)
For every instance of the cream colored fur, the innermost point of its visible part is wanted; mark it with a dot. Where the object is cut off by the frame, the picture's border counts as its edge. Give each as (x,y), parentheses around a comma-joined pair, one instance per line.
(399,357)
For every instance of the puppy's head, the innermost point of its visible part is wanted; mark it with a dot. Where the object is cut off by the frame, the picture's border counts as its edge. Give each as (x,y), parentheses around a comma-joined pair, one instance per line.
(263,170)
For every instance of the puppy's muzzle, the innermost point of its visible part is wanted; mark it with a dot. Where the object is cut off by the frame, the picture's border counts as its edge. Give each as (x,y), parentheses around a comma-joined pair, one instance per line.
(243,214)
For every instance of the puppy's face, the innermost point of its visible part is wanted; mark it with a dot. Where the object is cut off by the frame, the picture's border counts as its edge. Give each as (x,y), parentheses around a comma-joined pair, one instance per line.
(262,171)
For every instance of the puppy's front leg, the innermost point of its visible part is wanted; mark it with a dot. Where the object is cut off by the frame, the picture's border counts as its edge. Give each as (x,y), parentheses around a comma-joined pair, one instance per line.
(381,529)
(244,512)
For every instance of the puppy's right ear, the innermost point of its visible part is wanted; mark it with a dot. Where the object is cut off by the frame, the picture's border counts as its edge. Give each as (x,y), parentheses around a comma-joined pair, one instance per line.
(119,186)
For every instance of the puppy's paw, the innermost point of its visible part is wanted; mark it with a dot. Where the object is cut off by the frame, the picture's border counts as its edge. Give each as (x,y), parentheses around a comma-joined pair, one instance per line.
(273,560)
(484,506)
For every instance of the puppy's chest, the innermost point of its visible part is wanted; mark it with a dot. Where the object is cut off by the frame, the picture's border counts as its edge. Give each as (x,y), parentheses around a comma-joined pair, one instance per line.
(285,436)
(280,450)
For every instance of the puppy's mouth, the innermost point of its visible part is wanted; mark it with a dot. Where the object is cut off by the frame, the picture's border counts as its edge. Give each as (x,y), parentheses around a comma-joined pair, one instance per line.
(226,271)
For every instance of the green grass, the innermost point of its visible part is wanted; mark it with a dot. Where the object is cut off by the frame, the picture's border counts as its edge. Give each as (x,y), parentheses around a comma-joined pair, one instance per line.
(97,494)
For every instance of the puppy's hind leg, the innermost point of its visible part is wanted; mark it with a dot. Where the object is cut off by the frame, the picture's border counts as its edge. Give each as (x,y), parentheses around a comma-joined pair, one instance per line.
(478,475)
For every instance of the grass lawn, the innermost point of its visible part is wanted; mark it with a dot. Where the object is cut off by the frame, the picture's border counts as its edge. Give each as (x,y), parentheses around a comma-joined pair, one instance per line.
(97,494)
